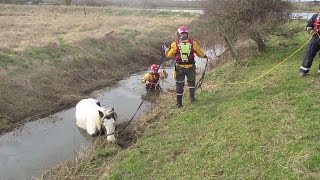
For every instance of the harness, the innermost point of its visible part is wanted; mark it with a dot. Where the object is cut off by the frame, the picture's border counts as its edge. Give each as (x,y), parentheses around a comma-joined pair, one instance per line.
(316,25)
(154,82)
(185,52)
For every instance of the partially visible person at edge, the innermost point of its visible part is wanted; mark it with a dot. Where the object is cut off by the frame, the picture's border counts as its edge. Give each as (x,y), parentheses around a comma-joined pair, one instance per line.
(313,28)
(184,50)
(151,79)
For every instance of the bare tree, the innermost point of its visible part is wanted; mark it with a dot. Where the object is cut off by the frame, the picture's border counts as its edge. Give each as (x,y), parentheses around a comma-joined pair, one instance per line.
(247,18)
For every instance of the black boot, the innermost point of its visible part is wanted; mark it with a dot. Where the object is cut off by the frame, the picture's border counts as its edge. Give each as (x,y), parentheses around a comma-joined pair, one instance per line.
(179,101)
(192,94)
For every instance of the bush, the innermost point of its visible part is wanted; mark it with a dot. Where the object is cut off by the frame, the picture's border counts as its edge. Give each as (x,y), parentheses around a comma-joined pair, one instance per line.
(248,18)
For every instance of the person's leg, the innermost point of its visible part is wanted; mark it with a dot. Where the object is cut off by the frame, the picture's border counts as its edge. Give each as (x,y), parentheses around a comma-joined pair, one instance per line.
(312,49)
(149,87)
(180,76)
(191,79)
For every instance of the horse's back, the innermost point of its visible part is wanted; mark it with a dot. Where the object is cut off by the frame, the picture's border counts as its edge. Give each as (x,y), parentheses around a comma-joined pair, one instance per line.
(86,109)
(91,117)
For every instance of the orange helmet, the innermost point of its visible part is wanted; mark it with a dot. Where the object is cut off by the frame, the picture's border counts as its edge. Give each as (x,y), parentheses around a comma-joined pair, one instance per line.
(183,29)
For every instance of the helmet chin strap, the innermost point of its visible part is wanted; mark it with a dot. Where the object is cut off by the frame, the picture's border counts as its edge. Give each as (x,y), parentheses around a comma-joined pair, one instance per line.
(182,35)
(184,38)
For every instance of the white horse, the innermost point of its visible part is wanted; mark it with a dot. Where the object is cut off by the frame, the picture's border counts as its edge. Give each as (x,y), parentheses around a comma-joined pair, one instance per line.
(95,119)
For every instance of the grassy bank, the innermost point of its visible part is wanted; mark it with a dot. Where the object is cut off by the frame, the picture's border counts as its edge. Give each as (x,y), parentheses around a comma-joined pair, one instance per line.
(266,129)
(52,56)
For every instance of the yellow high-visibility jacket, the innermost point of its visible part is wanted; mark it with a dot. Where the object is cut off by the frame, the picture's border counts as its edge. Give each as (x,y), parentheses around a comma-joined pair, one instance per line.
(154,78)
(174,48)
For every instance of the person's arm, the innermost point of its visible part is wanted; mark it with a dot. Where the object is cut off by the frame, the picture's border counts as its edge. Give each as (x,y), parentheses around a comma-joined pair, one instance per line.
(199,52)
(171,52)
(146,77)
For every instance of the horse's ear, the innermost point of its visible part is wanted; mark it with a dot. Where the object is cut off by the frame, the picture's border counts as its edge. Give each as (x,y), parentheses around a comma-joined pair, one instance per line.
(98,103)
(112,109)
(100,114)
(115,116)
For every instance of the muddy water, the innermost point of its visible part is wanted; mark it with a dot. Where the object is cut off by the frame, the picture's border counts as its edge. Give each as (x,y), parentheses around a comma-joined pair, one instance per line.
(45,143)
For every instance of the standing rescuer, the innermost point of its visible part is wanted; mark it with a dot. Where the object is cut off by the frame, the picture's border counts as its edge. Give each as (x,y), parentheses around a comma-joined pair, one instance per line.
(313,28)
(184,50)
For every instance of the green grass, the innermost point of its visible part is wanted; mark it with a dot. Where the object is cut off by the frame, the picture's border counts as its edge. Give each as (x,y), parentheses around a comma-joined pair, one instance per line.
(267,129)
(6,59)
(96,160)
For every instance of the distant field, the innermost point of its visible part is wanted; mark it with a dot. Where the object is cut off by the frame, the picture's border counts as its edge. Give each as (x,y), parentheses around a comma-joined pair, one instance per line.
(306,6)
(34,26)
(122,3)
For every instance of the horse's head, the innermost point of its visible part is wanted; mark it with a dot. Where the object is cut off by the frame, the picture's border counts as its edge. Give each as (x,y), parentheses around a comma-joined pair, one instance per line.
(109,124)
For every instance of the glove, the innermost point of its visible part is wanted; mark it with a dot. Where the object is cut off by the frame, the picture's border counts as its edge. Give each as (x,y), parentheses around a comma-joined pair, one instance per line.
(147,82)
(164,48)
(313,32)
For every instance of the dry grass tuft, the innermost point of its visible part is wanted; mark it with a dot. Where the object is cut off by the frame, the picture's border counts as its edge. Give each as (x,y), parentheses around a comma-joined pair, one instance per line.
(80,167)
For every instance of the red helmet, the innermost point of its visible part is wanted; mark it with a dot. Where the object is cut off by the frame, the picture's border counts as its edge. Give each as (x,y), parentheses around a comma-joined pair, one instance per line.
(154,67)
(183,29)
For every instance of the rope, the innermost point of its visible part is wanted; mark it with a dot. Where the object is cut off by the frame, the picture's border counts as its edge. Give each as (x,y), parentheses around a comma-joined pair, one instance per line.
(200,81)
(130,119)
(264,74)
(118,132)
